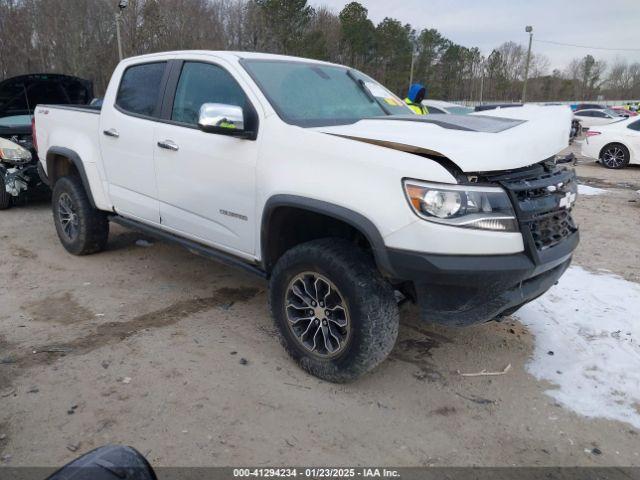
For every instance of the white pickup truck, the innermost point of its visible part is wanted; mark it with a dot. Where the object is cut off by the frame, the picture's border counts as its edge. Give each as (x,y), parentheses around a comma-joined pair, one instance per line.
(317,178)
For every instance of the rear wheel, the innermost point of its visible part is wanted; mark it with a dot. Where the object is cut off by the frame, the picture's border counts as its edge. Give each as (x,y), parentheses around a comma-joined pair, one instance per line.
(614,155)
(337,317)
(81,228)
(5,198)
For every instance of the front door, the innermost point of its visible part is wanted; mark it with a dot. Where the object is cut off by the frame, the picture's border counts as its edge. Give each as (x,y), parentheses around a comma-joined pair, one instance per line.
(126,141)
(206,181)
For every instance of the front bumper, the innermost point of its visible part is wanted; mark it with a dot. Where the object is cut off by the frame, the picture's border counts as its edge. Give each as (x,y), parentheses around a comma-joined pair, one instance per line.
(459,290)
(20,178)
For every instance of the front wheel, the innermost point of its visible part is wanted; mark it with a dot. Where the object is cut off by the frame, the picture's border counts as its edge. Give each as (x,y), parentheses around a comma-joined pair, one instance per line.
(615,156)
(81,228)
(337,317)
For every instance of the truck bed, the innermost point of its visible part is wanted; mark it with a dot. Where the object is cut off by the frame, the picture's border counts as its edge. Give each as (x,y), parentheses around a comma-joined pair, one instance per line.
(70,127)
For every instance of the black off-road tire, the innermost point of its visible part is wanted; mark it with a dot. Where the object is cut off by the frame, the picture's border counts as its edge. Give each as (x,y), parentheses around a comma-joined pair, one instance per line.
(618,163)
(5,198)
(92,224)
(372,307)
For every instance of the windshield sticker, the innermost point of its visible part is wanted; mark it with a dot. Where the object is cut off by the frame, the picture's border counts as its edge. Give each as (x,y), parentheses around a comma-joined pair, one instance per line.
(377,91)
(393,101)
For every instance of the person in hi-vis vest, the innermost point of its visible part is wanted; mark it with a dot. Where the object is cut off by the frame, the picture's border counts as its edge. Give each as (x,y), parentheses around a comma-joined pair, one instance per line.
(414,99)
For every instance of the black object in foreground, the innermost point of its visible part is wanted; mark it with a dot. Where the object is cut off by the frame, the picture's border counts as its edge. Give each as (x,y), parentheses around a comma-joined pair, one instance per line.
(110,462)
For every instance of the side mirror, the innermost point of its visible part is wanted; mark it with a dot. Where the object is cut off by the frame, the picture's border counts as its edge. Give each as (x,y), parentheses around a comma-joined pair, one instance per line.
(222,119)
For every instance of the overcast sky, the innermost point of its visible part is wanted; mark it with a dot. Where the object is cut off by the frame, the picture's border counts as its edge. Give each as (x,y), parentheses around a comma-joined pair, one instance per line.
(488,23)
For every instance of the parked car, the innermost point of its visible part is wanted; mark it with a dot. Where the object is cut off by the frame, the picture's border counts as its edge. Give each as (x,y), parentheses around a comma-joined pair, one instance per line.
(18,98)
(616,145)
(586,106)
(344,200)
(592,117)
(623,112)
(439,106)
(493,106)
(15,173)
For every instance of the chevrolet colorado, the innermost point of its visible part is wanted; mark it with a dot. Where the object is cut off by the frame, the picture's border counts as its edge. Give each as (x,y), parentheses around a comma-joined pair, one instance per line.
(317,178)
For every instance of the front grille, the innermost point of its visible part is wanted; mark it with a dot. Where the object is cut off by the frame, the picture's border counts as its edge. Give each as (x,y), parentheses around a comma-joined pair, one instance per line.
(552,228)
(542,195)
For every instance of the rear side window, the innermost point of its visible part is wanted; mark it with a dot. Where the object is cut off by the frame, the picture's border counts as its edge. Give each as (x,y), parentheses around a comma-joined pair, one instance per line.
(204,83)
(634,126)
(139,90)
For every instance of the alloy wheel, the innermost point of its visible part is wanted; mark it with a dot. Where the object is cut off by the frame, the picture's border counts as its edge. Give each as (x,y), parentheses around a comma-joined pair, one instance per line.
(68,216)
(613,157)
(317,315)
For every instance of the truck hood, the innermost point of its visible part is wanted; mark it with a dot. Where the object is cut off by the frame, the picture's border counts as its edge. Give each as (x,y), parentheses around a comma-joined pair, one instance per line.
(493,140)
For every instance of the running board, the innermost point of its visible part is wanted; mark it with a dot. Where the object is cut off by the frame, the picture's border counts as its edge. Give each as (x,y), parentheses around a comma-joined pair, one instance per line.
(193,247)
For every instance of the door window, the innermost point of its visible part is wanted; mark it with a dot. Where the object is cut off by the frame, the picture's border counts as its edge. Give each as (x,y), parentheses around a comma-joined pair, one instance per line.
(204,83)
(139,90)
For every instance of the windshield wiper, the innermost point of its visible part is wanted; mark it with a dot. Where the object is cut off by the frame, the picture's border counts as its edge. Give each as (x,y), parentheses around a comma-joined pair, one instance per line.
(366,91)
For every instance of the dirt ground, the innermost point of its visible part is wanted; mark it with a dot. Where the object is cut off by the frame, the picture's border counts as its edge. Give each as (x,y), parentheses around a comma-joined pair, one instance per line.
(177,356)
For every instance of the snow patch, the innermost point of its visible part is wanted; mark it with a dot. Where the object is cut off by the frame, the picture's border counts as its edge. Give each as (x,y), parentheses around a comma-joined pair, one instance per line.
(587,332)
(588,190)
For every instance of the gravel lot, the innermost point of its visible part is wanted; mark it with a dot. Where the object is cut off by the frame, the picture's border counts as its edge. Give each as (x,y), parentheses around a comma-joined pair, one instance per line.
(151,346)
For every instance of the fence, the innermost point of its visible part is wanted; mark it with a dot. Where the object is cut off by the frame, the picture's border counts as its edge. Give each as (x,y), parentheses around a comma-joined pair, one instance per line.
(604,103)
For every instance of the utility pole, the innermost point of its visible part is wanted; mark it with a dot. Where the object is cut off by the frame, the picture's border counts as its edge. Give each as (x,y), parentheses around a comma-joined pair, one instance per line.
(482,69)
(121,6)
(529,30)
(413,63)
(117,17)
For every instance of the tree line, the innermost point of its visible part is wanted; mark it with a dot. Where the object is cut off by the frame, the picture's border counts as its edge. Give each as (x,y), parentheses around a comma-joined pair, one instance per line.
(78,37)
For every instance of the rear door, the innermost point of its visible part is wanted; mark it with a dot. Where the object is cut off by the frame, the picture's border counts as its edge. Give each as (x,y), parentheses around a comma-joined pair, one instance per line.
(206,182)
(585,117)
(127,128)
(600,118)
(632,139)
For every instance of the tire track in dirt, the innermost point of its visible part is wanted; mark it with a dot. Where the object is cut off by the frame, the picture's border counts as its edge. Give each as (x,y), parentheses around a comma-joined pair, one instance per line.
(115,332)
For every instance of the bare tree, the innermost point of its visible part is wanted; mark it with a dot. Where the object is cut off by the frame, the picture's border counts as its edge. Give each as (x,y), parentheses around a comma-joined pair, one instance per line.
(78,37)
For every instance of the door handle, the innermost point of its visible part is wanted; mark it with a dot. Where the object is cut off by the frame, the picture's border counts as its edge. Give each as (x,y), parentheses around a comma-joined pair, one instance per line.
(169,145)
(112,132)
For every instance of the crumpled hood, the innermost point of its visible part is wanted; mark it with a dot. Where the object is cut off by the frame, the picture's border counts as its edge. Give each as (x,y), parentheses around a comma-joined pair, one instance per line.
(493,140)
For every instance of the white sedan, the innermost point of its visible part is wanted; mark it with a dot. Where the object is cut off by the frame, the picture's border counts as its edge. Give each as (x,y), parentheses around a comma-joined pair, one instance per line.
(439,106)
(596,116)
(616,145)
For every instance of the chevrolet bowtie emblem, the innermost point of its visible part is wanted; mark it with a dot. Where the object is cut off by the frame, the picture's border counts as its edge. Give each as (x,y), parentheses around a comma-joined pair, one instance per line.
(568,200)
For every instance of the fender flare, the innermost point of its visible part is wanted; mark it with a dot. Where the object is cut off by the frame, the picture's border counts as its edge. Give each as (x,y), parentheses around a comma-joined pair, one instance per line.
(354,219)
(75,159)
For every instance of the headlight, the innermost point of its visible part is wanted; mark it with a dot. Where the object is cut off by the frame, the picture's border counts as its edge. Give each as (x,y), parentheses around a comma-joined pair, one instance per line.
(468,206)
(15,155)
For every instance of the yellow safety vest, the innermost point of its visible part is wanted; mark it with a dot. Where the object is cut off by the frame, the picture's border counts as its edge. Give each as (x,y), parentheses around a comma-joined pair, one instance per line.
(417,108)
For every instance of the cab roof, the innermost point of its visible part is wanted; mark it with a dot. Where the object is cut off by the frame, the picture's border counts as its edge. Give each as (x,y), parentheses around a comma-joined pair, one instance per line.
(231,55)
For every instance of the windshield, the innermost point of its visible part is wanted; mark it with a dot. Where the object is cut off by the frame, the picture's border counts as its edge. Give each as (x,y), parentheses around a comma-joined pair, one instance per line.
(460,110)
(313,95)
